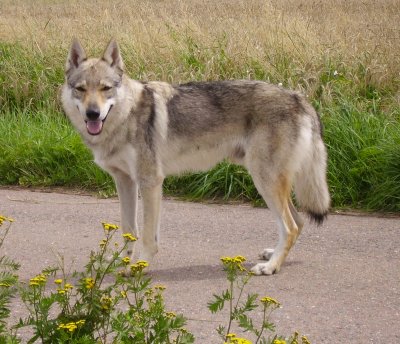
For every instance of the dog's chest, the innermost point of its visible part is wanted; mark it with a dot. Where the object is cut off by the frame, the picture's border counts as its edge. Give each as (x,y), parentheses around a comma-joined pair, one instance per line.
(119,160)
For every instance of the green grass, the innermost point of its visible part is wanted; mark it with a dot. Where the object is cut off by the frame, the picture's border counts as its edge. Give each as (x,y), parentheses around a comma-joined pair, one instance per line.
(41,149)
(38,146)
(364,165)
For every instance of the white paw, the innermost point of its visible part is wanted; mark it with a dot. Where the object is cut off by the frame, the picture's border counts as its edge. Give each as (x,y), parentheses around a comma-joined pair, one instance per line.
(267,254)
(265,269)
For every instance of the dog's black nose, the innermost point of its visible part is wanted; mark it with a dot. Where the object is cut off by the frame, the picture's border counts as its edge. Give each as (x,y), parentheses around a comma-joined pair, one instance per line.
(92,114)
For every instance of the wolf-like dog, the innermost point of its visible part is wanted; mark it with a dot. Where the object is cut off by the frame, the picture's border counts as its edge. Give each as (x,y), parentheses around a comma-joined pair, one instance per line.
(141,132)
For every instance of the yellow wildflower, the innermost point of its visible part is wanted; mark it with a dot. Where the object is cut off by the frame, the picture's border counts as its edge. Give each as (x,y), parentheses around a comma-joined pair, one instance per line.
(89,283)
(129,237)
(226,259)
(106,302)
(239,259)
(71,326)
(279,341)
(139,266)
(61,291)
(58,281)
(123,293)
(109,226)
(38,280)
(68,286)
(5,218)
(269,300)
(170,315)
(234,262)
(305,340)
(232,339)
(126,260)
(160,287)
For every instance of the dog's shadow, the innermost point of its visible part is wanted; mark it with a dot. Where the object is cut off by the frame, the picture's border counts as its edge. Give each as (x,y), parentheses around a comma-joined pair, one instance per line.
(188,273)
(198,272)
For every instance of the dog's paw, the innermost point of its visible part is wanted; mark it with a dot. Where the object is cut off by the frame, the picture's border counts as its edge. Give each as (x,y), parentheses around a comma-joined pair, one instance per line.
(265,269)
(267,254)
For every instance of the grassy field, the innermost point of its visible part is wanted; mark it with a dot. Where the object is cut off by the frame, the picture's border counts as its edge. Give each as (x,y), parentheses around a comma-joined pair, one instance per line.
(344,55)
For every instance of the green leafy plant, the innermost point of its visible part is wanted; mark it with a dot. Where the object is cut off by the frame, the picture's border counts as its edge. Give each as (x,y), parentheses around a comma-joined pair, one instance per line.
(239,310)
(8,281)
(90,310)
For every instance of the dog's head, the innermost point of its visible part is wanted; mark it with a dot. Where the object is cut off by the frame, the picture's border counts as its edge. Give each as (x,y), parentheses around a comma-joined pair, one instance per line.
(94,83)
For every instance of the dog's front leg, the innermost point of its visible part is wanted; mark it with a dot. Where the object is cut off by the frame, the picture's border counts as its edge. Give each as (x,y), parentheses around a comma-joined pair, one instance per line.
(127,190)
(151,197)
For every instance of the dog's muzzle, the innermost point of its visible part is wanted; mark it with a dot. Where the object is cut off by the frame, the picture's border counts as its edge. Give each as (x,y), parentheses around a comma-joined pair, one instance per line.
(94,124)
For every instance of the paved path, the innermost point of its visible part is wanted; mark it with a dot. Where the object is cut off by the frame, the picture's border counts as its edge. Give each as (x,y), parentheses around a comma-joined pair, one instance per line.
(340,284)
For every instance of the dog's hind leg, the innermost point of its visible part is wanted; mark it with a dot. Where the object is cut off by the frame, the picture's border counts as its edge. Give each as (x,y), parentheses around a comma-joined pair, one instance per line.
(276,193)
(268,252)
(296,217)
(151,196)
(127,190)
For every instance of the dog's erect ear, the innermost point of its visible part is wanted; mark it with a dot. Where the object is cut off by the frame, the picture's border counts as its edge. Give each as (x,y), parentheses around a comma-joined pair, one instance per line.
(112,56)
(76,56)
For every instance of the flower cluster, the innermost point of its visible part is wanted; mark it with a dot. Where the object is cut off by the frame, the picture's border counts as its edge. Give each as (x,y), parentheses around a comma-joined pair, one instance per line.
(170,315)
(38,280)
(279,341)
(160,287)
(106,302)
(234,262)
(269,301)
(304,339)
(232,339)
(129,237)
(109,226)
(89,283)
(71,326)
(139,266)
(103,243)
(126,260)
(67,286)
(5,219)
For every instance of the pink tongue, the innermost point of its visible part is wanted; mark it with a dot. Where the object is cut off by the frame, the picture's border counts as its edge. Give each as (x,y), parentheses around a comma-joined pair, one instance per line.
(94,127)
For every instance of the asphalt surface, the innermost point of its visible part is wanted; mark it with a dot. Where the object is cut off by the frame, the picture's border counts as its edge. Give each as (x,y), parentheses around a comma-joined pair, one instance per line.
(340,283)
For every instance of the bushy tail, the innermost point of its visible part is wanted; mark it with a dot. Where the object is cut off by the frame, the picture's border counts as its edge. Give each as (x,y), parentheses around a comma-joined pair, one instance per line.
(310,186)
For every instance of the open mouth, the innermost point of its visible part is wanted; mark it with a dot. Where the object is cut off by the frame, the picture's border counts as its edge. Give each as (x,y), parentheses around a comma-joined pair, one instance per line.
(95,127)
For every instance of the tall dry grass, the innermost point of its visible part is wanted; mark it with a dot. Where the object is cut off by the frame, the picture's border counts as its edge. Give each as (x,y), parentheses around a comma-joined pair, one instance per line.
(156,32)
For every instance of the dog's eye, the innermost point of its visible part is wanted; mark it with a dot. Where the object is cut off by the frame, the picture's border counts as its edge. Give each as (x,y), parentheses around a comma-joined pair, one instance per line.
(106,88)
(80,89)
